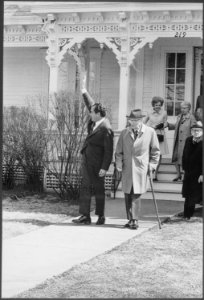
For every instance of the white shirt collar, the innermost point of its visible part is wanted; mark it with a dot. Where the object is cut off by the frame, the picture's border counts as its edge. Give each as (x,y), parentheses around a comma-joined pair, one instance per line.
(98,123)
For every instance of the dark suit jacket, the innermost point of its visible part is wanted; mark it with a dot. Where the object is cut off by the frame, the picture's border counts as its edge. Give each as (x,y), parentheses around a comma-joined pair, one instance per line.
(98,146)
(192,166)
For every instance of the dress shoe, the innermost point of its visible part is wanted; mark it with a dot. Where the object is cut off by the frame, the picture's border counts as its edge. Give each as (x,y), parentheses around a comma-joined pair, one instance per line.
(101,220)
(82,220)
(134,225)
(127,225)
(177,178)
(186,219)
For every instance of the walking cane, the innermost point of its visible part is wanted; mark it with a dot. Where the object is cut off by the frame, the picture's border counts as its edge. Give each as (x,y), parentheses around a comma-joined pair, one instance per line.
(155,203)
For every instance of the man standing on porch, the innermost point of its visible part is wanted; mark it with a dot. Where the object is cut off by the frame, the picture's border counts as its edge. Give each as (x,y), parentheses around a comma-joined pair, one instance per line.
(97,153)
(137,154)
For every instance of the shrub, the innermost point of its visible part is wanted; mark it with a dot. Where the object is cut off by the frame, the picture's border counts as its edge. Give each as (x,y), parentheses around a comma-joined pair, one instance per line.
(64,138)
(23,146)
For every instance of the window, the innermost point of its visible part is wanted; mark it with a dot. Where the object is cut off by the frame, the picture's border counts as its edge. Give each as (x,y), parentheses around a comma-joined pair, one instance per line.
(175,82)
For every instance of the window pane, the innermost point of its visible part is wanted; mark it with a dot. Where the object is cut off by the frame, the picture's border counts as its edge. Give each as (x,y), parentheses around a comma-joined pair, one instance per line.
(180,93)
(169,92)
(177,108)
(180,76)
(170,76)
(181,60)
(170,60)
(170,108)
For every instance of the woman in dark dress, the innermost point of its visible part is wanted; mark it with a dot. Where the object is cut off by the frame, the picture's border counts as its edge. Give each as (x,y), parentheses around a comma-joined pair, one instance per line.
(193,172)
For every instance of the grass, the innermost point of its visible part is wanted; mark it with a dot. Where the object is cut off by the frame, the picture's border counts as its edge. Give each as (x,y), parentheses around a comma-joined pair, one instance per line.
(163,263)
(31,211)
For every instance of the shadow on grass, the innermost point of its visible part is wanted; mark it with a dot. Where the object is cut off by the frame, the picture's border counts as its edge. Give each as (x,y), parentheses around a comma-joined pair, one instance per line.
(46,223)
(30,221)
(197,217)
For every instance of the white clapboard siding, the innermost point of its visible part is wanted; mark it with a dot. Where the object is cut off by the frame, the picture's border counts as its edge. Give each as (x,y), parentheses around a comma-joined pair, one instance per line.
(25,74)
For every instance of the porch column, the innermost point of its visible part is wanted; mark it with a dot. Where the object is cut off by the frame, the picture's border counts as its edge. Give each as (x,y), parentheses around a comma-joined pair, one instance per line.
(124,84)
(53,60)
(53,80)
(197,77)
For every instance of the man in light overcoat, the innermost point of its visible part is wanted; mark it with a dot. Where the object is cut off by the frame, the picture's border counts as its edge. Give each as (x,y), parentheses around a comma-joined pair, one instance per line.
(137,153)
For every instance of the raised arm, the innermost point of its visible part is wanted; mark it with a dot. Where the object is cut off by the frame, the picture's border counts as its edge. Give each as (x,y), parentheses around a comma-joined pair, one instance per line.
(88,100)
(165,120)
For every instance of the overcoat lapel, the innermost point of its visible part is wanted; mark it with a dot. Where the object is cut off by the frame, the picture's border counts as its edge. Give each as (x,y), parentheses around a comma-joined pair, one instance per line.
(95,130)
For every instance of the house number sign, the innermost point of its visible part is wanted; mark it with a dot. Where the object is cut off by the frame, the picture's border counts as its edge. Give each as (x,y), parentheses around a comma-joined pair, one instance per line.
(180,34)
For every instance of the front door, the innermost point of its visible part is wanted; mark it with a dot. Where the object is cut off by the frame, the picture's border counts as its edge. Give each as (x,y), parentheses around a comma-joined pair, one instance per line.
(175,87)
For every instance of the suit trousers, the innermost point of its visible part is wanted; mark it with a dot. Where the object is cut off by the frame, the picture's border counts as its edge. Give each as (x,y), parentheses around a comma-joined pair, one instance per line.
(91,179)
(189,208)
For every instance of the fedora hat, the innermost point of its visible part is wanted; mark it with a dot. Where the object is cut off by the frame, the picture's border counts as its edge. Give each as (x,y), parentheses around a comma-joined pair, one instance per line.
(136,114)
(198,124)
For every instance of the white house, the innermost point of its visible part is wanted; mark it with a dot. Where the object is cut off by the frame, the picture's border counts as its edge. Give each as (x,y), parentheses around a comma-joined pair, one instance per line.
(132,51)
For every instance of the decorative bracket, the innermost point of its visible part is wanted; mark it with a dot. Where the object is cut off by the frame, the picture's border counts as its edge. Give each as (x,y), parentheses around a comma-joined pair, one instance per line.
(140,43)
(68,45)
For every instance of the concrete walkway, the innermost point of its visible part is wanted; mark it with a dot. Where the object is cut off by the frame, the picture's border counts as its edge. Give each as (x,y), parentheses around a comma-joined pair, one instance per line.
(31,258)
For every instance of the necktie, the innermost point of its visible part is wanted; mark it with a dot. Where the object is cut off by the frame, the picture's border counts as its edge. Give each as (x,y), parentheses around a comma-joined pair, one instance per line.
(91,125)
(135,132)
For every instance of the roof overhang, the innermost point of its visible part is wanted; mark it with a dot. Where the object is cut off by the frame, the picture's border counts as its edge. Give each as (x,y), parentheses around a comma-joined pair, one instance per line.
(63,7)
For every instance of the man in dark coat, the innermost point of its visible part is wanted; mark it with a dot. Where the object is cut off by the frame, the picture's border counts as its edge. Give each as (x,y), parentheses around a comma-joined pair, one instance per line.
(97,153)
(192,166)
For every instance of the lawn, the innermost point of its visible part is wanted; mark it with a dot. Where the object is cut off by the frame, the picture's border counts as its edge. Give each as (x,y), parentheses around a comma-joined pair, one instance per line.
(24,211)
(163,263)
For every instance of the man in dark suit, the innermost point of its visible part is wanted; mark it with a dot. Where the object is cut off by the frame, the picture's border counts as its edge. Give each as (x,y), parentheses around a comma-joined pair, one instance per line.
(97,153)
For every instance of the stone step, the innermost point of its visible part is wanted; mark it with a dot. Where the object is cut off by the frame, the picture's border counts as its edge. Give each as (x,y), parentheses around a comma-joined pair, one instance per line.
(164,176)
(158,196)
(167,190)
(164,167)
(164,185)
(163,196)
(169,168)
